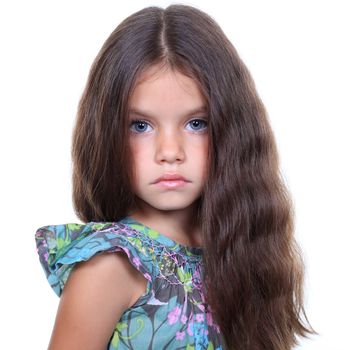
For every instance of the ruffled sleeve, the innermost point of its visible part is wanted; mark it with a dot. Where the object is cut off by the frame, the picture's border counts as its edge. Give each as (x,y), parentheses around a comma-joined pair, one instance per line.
(60,247)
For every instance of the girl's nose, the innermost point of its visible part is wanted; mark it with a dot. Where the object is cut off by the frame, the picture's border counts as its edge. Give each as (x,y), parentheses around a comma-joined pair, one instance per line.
(169,148)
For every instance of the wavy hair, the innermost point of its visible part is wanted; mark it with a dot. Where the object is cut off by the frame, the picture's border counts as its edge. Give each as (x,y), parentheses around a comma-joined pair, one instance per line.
(253,267)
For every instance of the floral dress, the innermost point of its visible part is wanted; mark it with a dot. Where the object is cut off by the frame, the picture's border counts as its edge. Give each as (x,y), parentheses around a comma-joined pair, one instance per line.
(171,314)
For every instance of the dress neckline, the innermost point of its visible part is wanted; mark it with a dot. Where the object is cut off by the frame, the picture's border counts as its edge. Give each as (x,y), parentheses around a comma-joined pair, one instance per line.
(160,237)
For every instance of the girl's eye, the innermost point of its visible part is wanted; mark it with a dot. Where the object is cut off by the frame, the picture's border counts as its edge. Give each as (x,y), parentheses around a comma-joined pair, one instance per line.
(198,124)
(140,126)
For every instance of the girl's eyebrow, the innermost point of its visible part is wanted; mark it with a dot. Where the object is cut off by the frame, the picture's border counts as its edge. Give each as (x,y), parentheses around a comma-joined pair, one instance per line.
(145,114)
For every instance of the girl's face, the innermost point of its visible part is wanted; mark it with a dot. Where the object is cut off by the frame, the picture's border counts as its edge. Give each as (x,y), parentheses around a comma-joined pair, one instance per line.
(168,135)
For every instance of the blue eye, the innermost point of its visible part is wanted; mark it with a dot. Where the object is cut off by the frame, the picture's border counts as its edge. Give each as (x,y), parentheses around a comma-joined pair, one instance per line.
(140,126)
(198,124)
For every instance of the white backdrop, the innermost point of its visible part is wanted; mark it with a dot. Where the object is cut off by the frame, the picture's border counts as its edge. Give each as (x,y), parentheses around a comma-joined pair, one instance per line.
(298,53)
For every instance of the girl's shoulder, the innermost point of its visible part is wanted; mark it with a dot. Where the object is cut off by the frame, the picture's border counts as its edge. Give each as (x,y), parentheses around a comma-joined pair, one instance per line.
(172,309)
(62,246)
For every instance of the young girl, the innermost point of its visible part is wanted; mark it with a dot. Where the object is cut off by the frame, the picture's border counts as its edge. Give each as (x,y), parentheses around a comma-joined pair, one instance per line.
(175,172)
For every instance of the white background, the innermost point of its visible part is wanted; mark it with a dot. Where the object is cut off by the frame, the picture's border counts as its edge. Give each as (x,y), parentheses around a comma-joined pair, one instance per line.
(298,53)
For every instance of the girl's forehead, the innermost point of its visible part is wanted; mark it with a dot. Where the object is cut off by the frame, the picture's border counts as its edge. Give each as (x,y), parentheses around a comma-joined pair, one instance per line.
(170,96)
(166,81)
(168,91)
(160,89)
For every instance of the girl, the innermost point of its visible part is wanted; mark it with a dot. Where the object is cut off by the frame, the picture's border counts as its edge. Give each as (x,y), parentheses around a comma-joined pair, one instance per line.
(175,168)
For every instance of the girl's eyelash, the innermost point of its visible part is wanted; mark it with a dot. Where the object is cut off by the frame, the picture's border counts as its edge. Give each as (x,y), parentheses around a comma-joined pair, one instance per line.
(135,121)
(200,120)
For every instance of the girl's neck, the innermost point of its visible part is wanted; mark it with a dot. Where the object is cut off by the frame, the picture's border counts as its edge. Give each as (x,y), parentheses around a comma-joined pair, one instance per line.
(178,225)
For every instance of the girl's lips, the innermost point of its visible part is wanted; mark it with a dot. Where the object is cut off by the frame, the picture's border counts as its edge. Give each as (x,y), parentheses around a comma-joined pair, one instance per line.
(170,177)
(171,183)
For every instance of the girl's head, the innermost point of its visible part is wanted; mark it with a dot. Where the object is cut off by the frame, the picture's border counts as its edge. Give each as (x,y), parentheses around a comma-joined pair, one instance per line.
(189,48)
(168,135)
(164,62)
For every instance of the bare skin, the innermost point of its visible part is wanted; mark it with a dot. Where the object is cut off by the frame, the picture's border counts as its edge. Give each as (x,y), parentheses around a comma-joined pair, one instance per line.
(96,294)
(176,225)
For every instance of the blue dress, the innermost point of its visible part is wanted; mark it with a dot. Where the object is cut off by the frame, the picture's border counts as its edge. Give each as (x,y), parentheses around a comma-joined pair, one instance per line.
(171,314)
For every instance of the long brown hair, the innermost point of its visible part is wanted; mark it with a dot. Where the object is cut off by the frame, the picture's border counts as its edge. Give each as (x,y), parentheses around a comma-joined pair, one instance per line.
(253,267)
